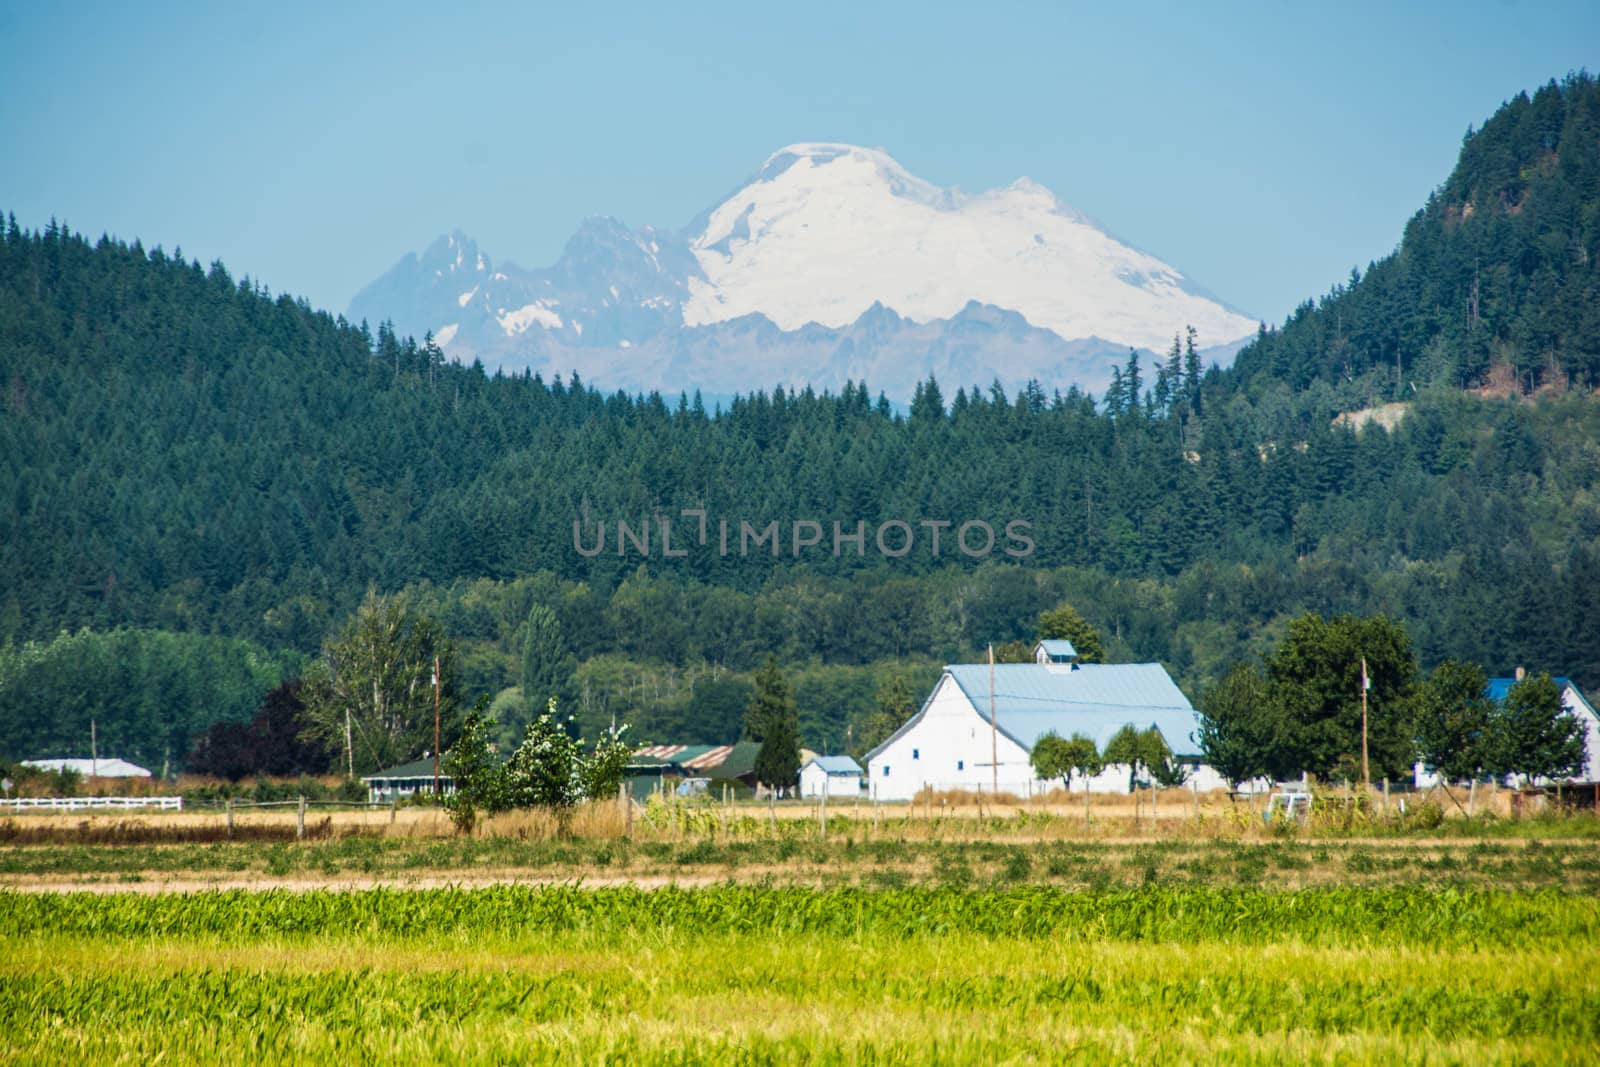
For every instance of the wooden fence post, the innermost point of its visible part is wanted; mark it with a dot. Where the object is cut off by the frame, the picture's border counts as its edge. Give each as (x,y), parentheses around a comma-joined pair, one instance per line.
(230,816)
(300,820)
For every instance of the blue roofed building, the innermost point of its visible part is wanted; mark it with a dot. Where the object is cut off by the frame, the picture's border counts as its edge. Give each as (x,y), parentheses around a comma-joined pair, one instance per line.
(950,743)
(838,776)
(1577,705)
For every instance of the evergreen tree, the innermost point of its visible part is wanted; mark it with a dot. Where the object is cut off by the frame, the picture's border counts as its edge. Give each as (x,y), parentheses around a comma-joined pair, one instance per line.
(1132,382)
(771,721)
(1169,379)
(927,403)
(1191,372)
(1116,397)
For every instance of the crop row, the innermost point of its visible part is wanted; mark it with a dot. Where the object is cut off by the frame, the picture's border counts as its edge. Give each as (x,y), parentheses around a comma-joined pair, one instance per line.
(274,1001)
(1347,916)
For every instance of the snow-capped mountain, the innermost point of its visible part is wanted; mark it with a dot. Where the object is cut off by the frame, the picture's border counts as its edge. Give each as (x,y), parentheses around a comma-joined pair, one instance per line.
(832,263)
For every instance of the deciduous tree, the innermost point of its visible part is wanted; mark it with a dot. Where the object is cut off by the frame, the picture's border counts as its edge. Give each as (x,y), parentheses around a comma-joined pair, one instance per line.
(1315,676)
(1453,716)
(1533,734)
(376,675)
(1241,730)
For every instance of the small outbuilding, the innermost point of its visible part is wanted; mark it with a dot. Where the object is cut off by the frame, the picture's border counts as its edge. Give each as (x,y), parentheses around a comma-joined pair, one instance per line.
(840,776)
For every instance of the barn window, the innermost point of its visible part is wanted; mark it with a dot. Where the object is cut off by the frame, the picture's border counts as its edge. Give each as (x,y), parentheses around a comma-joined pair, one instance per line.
(961,764)
(916,753)
(886,770)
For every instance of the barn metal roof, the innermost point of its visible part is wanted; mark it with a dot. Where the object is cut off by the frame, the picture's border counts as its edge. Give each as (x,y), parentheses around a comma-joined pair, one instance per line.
(1092,699)
(104,768)
(836,764)
(1499,688)
(730,761)
(417,768)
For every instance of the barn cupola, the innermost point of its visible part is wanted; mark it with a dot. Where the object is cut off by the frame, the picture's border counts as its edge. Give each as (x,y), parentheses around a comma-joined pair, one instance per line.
(1055,652)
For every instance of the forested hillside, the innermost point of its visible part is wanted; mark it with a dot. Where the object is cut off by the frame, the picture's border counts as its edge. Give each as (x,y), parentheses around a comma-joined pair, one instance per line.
(1497,279)
(190,454)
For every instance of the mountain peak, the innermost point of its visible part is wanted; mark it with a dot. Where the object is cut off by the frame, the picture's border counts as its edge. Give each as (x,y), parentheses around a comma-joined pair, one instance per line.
(452,253)
(833,261)
(825,229)
(821,165)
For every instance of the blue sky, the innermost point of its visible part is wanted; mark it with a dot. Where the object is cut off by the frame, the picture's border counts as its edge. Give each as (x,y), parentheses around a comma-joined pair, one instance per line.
(1262,148)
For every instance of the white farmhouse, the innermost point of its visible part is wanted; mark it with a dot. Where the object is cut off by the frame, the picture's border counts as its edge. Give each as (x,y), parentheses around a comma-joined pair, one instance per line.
(839,775)
(950,743)
(1577,706)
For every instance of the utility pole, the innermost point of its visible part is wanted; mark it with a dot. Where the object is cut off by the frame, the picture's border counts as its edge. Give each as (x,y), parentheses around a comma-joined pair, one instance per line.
(994,730)
(1366,683)
(436,726)
(349,747)
(94,751)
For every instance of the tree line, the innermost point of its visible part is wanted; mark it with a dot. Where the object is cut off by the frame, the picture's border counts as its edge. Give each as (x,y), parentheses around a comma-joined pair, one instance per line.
(1342,698)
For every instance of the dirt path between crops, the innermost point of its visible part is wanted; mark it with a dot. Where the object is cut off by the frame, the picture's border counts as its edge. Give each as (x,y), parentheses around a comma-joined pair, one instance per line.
(156,883)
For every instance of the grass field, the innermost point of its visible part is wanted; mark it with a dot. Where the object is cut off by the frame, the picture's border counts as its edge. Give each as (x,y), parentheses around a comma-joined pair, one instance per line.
(746,974)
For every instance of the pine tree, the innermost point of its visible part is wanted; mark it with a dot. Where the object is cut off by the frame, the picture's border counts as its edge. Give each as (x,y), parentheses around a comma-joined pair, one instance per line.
(771,720)
(1132,382)
(927,403)
(1191,371)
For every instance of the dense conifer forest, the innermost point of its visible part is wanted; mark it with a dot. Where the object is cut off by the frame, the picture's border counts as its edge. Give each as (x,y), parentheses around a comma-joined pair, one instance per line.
(193,460)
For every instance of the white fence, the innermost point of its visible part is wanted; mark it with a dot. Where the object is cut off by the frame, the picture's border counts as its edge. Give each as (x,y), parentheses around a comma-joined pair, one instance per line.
(21,804)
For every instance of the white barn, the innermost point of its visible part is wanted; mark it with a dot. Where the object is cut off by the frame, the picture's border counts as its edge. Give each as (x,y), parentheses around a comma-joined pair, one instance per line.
(839,775)
(949,743)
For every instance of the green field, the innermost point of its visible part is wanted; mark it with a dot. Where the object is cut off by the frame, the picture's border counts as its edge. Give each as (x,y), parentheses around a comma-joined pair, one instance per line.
(761,974)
